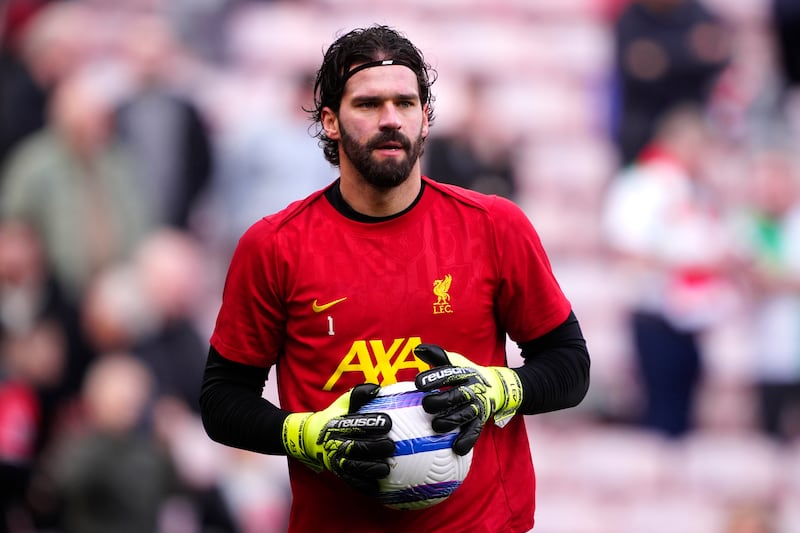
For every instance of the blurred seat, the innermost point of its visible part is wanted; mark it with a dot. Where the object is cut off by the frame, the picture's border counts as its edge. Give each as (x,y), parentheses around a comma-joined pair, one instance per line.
(670,512)
(731,467)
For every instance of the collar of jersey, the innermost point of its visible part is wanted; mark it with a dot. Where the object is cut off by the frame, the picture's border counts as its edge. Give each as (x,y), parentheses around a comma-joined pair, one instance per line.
(334,196)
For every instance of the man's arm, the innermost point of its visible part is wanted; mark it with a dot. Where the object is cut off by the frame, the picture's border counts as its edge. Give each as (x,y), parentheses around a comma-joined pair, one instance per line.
(555,374)
(233,410)
(462,394)
(234,413)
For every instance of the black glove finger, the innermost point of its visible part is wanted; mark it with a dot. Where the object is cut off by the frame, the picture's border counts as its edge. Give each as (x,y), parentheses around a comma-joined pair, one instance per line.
(467,437)
(363,485)
(361,395)
(363,475)
(359,473)
(438,402)
(370,448)
(432,354)
(456,417)
(364,469)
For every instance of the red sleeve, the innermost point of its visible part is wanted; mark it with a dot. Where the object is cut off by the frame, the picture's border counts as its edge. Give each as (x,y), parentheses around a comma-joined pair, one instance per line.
(530,300)
(251,322)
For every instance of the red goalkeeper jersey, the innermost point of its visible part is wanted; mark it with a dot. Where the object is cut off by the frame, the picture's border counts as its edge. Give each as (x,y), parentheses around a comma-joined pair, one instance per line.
(334,302)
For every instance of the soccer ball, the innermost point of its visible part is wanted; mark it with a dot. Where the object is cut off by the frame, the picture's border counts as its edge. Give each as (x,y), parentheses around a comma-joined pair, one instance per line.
(424,470)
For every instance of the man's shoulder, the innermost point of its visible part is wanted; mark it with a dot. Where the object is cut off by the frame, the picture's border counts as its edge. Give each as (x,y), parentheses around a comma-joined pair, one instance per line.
(280,220)
(467,197)
(490,206)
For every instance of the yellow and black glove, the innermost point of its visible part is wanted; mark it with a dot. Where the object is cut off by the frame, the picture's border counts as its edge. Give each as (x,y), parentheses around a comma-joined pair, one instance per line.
(352,445)
(465,394)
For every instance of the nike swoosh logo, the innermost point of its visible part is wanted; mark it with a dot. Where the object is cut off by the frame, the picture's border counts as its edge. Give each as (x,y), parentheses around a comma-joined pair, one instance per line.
(320,308)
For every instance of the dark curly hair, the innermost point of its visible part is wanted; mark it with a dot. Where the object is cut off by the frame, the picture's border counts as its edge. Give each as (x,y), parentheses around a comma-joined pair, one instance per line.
(357,46)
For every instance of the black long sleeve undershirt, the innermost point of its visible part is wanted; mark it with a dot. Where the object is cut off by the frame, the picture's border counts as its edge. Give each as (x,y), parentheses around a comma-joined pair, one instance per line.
(233,410)
(555,376)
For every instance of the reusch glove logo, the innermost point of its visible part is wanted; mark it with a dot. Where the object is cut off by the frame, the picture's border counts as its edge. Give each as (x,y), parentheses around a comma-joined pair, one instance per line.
(442,374)
(376,420)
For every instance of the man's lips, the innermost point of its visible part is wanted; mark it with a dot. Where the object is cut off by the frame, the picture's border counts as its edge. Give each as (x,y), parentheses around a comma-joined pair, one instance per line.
(390,149)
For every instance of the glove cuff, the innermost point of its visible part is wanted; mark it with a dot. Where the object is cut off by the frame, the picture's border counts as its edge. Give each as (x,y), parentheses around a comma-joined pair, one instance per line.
(512,394)
(294,440)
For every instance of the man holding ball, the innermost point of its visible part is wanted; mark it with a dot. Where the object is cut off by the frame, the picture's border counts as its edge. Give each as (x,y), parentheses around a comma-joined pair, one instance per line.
(387,276)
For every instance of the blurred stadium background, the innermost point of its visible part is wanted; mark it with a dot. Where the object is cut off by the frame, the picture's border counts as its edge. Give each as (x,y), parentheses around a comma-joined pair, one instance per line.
(536,82)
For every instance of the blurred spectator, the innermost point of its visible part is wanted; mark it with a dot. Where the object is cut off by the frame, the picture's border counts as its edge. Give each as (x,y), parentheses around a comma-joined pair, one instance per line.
(771,230)
(199,469)
(266,162)
(146,308)
(30,360)
(786,22)
(257,487)
(29,299)
(201,24)
(165,131)
(170,274)
(42,358)
(112,475)
(473,154)
(114,312)
(73,183)
(42,42)
(668,52)
(21,99)
(663,220)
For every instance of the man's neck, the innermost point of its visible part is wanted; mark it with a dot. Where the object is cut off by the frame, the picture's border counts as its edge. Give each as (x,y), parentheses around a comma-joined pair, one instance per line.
(371,201)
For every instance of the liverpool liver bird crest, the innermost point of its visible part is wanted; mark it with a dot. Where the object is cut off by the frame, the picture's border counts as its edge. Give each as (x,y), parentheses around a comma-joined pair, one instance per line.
(441,287)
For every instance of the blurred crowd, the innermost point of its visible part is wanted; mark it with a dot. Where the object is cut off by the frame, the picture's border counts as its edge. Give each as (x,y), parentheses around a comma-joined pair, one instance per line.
(655,144)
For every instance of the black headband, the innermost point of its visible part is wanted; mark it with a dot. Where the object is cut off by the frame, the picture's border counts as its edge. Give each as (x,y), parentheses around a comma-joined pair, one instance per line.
(379,63)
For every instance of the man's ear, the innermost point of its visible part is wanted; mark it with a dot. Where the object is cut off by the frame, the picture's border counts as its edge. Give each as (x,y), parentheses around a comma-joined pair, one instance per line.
(425,124)
(330,123)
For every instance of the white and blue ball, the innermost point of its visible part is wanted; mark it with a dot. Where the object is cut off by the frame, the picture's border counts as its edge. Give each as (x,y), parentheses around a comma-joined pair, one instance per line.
(424,470)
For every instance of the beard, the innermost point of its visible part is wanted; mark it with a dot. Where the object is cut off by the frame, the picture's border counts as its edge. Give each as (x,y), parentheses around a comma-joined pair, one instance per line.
(386,174)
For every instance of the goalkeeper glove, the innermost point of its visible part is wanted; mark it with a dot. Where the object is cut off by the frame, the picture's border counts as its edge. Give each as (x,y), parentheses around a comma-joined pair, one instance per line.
(465,395)
(353,446)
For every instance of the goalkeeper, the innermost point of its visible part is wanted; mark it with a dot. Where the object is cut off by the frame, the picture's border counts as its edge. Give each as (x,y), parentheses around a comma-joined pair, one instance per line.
(387,275)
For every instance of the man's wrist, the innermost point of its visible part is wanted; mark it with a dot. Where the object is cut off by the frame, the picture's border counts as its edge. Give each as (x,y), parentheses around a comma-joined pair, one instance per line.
(294,439)
(511,386)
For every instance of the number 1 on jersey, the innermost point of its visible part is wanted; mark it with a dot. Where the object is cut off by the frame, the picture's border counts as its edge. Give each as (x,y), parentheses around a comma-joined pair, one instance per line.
(330,326)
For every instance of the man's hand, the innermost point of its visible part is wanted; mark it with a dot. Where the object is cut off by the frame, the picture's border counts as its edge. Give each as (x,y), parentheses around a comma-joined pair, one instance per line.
(466,395)
(353,446)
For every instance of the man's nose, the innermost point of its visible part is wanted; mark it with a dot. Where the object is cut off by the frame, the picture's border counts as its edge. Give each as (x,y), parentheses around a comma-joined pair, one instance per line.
(390,118)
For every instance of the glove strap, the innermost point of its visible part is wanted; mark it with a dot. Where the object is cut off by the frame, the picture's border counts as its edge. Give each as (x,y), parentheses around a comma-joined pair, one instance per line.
(512,393)
(294,440)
